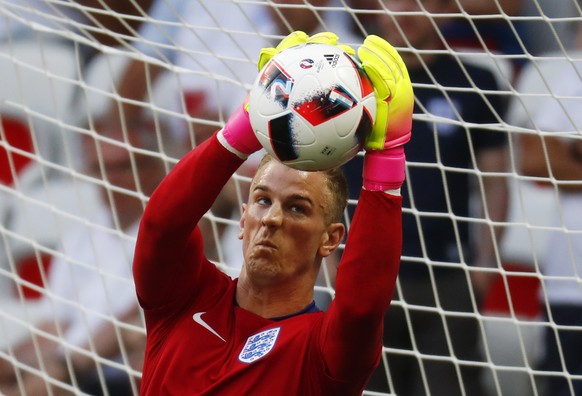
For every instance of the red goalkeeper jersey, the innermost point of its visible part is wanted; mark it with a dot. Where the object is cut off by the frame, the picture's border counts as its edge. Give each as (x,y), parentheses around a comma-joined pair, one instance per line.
(199,342)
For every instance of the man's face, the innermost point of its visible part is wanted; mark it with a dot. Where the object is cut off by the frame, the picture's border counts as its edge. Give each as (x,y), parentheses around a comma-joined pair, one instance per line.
(282,227)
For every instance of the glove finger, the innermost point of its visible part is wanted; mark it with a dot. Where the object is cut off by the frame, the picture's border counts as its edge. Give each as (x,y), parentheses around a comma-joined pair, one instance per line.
(295,38)
(379,64)
(375,69)
(331,39)
(375,140)
(397,78)
(387,64)
(402,85)
(323,38)
(388,53)
(265,56)
(384,65)
(346,48)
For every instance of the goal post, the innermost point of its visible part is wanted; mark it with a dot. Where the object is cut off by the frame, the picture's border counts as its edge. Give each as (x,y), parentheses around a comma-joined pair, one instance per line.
(62,66)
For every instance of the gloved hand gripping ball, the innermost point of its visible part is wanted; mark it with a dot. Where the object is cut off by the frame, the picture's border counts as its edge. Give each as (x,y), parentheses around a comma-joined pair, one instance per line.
(238,135)
(384,162)
(311,106)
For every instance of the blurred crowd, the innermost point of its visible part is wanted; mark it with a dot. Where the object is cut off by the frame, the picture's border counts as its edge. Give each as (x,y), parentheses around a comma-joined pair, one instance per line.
(488,299)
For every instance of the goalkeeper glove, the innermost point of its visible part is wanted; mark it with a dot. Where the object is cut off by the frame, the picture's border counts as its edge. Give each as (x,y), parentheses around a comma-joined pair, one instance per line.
(384,160)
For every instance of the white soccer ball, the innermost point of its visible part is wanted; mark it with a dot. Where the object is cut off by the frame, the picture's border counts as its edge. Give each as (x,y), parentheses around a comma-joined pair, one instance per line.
(312,106)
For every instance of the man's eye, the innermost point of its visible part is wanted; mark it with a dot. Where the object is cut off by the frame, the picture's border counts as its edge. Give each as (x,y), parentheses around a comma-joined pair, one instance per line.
(263,201)
(297,209)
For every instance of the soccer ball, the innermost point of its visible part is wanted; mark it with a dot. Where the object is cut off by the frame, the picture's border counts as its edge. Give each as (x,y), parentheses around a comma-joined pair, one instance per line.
(312,106)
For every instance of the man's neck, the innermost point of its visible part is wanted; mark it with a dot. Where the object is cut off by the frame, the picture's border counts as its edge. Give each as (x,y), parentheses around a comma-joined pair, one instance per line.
(276,300)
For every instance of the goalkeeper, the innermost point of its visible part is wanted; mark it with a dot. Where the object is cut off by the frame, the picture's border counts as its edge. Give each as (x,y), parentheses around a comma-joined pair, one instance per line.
(262,333)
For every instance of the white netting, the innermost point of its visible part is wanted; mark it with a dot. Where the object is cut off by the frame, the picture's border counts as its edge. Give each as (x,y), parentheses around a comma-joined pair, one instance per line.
(65,259)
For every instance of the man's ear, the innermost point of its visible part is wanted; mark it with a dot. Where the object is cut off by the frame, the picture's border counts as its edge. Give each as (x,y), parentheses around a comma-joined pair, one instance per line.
(242,221)
(331,239)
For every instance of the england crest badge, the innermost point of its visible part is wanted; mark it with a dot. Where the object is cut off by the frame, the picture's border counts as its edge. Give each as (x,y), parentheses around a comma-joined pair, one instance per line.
(258,345)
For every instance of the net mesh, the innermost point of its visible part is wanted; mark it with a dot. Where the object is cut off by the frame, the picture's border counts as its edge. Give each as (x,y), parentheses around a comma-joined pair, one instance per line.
(71,196)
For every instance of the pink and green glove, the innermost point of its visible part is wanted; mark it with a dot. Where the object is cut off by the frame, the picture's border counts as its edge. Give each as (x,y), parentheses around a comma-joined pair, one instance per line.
(384,160)
(238,136)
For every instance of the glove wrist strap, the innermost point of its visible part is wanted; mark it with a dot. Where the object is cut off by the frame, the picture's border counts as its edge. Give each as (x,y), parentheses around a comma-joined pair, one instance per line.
(238,136)
(384,169)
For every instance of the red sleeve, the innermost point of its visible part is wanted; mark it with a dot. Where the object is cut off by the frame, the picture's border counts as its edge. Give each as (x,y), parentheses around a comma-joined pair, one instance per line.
(365,284)
(169,256)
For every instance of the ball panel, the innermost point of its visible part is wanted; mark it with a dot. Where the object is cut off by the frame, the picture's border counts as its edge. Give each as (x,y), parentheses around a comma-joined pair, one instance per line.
(282,139)
(322,158)
(364,127)
(276,83)
(325,105)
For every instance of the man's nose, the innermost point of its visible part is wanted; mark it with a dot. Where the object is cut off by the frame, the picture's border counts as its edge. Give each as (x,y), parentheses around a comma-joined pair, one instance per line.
(273,216)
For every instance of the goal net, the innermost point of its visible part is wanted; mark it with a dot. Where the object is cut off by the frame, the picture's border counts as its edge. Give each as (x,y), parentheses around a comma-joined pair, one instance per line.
(98,100)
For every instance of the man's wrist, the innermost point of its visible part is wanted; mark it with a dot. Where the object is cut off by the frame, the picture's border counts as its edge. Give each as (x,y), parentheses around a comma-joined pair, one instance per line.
(238,135)
(384,169)
(226,144)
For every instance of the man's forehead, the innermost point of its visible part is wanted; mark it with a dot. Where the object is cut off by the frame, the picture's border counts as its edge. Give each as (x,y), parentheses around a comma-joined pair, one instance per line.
(275,169)
(277,175)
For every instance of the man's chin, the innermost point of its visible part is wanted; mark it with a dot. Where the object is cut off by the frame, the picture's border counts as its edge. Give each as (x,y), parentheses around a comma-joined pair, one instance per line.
(262,267)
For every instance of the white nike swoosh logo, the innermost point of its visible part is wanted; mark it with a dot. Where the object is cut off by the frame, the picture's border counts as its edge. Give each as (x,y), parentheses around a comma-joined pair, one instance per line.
(198,319)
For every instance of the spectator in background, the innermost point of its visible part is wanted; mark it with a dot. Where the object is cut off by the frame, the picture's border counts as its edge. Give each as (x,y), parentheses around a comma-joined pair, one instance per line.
(473,27)
(104,22)
(45,46)
(91,278)
(214,45)
(551,25)
(487,26)
(49,42)
(515,28)
(549,103)
(445,151)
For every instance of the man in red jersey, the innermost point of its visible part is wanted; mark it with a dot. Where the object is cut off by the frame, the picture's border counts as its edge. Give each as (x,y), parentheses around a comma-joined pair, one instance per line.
(262,334)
